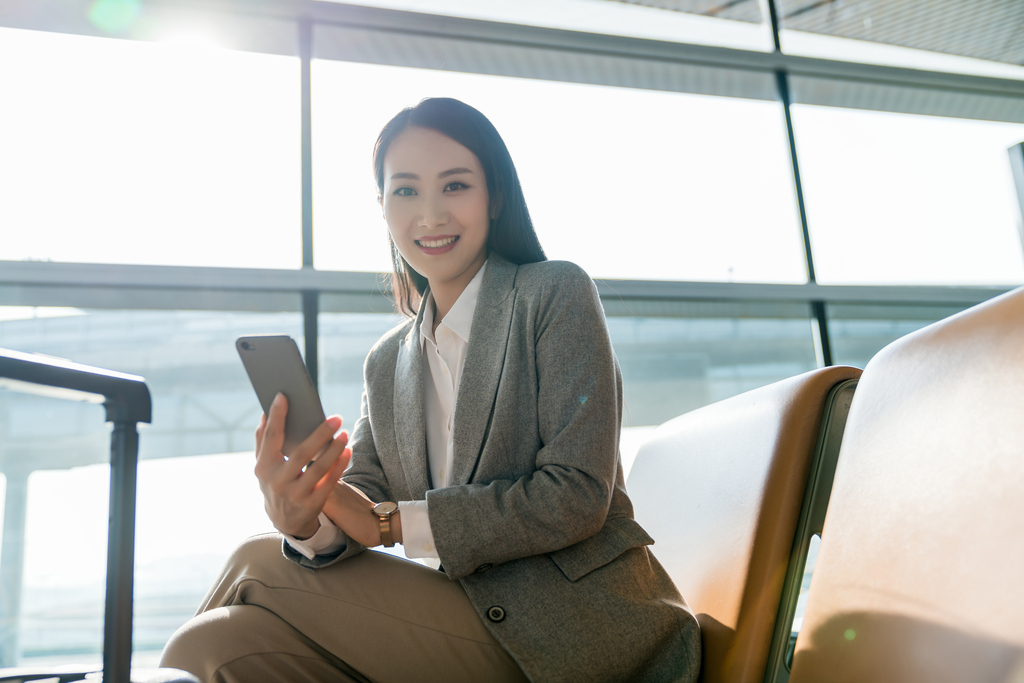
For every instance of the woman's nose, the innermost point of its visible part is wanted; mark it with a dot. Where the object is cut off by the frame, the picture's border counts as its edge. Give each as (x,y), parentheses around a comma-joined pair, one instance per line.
(432,214)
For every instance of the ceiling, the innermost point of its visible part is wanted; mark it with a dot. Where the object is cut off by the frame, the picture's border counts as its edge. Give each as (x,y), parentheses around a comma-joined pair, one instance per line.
(984,29)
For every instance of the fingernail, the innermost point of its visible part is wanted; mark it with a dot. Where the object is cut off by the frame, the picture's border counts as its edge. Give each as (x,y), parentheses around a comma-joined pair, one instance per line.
(277,398)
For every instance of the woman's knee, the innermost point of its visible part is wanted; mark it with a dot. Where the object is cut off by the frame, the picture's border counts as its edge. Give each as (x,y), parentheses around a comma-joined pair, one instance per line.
(253,558)
(248,644)
(202,644)
(257,551)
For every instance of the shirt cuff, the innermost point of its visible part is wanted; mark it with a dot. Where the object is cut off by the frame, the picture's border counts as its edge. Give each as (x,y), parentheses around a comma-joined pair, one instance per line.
(327,540)
(417,538)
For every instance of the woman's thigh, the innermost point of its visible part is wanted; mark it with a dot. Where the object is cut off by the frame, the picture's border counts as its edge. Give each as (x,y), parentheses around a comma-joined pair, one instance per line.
(385,617)
(248,644)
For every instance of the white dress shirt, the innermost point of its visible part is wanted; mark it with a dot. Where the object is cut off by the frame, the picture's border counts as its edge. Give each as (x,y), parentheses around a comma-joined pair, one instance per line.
(444,350)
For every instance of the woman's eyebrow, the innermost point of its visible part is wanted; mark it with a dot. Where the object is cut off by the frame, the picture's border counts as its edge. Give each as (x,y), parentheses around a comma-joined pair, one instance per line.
(410,176)
(453,171)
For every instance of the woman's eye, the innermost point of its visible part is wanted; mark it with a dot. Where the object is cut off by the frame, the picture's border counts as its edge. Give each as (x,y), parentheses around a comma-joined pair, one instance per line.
(455,186)
(404,192)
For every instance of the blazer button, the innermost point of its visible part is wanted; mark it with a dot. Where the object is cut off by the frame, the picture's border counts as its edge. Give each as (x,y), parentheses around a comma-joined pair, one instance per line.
(483,567)
(496,614)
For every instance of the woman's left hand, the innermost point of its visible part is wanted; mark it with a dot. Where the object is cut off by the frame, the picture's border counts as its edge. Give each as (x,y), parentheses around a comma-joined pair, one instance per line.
(352,512)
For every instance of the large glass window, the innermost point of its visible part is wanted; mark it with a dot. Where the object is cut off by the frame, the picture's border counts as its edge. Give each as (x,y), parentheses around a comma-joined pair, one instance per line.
(859,331)
(345,339)
(192,511)
(679,356)
(626,183)
(901,199)
(169,153)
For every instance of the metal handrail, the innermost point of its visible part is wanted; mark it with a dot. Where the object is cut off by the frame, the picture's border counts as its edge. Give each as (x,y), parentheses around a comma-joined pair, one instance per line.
(127,402)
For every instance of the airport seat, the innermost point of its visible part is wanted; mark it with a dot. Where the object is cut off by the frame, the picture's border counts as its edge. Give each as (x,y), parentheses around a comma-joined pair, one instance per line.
(723,490)
(919,575)
(91,675)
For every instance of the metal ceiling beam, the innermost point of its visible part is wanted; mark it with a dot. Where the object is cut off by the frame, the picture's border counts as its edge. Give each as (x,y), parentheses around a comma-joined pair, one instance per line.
(263,25)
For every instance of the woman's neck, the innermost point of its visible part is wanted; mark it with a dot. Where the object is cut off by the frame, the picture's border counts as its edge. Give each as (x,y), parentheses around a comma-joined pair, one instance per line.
(448,292)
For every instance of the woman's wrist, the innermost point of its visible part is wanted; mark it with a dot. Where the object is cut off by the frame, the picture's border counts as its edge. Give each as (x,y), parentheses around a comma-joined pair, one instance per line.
(308,531)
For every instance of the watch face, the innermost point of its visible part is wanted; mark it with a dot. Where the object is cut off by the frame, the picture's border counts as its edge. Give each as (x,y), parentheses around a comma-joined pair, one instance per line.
(385,508)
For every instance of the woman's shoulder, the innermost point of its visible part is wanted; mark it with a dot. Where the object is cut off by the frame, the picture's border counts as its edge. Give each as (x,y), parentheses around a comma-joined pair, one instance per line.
(387,346)
(552,273)
(555,280)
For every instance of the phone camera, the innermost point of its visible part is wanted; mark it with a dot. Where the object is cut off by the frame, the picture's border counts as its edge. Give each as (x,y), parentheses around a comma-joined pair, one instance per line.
(246,346)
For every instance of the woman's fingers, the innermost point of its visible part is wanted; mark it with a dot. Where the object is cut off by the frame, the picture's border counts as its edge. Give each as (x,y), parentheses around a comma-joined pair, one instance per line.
(295,488)
(331,478)
(269,442)
(259,431)
(312,448)
(314,473)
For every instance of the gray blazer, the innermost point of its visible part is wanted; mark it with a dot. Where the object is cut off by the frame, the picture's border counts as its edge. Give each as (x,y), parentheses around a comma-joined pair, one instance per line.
(537,524)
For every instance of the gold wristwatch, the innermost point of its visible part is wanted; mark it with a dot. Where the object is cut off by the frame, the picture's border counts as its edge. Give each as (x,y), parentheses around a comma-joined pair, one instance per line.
(384,511)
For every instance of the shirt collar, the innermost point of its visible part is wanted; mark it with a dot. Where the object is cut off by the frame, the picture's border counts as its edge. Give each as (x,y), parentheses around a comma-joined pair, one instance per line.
(460,318)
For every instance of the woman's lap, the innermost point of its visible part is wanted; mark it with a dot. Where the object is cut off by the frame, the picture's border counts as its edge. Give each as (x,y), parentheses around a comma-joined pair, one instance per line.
(384,617)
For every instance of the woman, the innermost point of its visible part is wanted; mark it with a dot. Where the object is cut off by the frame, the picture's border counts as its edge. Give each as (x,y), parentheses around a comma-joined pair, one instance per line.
(516,489)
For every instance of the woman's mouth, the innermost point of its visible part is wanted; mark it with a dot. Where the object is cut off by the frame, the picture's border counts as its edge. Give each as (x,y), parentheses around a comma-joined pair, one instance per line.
(437,245)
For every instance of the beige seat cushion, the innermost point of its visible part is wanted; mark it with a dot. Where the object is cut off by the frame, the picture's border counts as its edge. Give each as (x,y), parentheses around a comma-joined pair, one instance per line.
(720,491)
(920,575)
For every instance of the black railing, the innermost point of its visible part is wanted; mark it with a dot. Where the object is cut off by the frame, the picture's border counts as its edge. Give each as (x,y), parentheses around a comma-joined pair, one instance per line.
(127,402)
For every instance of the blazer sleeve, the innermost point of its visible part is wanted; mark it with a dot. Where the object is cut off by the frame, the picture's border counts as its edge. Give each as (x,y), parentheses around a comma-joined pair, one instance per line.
(566,497)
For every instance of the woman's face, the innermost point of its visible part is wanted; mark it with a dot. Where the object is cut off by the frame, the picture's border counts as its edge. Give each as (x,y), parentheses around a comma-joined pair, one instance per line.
(436,206)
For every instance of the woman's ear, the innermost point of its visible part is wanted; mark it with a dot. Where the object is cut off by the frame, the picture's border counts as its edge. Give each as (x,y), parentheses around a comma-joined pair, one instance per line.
(496,204)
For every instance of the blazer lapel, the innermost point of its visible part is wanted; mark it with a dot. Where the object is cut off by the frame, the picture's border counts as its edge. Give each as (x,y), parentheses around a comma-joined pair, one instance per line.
(484,361)
(410,420)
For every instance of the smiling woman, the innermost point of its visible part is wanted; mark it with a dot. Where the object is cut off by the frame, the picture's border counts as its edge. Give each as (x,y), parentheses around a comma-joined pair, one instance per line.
(468,170)
(492,417)
(436,205)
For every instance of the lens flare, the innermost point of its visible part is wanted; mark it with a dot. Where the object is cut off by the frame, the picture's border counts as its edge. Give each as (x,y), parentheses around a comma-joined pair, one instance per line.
(114,16)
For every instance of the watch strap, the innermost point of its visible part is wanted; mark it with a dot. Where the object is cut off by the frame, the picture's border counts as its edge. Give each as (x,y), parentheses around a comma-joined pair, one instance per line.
(385,531)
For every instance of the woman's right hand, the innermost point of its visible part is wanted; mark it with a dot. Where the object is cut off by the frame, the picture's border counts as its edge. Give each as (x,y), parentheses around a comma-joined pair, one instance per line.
(295,488)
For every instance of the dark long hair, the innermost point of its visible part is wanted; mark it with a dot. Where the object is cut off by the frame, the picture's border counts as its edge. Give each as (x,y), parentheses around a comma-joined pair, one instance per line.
(511,234)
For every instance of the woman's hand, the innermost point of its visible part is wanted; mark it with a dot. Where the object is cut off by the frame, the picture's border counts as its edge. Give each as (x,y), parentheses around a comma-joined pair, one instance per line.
(295,489)
(352,512)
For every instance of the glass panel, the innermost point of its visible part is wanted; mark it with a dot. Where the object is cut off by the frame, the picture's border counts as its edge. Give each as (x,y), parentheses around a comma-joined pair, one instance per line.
(702,22)
(902,199)
(805,584)
(858,332)
(671,365)
(705,352)
(345,339)
(203,407)
(693,188)
(942,35)
(117,151)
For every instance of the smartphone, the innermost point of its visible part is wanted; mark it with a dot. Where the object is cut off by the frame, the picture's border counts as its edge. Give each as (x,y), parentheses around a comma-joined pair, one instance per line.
(274,365)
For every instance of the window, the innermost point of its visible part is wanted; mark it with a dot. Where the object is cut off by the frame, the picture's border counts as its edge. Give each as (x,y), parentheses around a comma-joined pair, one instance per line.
(674,361)
(627,183)
(117,151)
(859,331)
(199,447)
(902,199)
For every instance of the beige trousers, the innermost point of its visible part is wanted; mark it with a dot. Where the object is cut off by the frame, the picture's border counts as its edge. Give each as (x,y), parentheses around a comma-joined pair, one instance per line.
(373,617)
